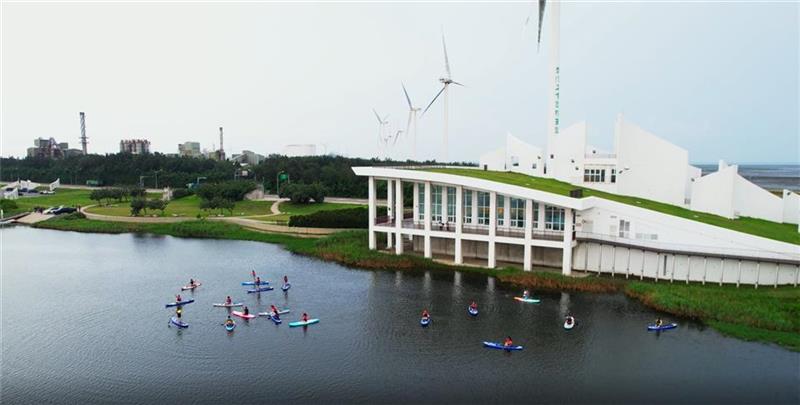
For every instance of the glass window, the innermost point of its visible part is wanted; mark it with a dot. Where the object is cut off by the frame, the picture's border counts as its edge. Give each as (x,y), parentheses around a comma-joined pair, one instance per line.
(436,204)
(517,213)
(421,202)
(553,218)
(451,204)
(613,175)
(501,210)
(594,175)
(483,208)
(535,215)
(467,206)
(624,228)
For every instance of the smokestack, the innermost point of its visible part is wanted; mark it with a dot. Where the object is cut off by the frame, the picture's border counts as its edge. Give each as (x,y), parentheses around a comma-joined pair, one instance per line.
(84,139)
(221,149)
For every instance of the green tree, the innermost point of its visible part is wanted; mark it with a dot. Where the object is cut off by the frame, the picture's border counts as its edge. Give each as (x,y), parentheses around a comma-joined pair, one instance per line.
(137,205)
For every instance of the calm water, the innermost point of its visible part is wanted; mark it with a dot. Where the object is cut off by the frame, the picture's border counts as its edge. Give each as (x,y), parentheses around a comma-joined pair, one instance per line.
(768,176)
(83,321)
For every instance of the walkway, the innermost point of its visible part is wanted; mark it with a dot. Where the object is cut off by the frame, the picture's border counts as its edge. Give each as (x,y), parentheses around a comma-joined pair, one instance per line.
(33,218)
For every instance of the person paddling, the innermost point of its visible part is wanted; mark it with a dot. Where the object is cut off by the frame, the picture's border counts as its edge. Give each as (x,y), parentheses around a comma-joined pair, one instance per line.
(274,312)
(305,317)
(425,314)
(246,311)
(258,281)
(570,320)
(191,282)
(178,312)
(659,322)
(508,342)
(473,306)
(253,273)
(228,300)
(229,321)
(178,298)
(285,280)
(526,294)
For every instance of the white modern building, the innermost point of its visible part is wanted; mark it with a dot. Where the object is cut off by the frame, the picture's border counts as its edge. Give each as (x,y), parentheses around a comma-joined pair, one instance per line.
(294,150)
(466,218)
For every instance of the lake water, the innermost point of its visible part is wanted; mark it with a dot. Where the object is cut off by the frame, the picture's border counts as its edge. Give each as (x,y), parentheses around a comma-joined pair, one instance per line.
(83,321)
(768,176)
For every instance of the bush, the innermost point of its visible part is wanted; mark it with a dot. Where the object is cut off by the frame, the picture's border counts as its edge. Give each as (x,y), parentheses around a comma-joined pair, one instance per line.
(301,193)
(160,205)
(179,193)
(217,203)
(345,218)
(72,216)
(137,205)
(7,205)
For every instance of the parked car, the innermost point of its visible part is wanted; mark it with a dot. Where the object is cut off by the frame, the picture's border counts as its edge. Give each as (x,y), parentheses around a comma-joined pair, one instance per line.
(64,210)
(51,209)
(48,192)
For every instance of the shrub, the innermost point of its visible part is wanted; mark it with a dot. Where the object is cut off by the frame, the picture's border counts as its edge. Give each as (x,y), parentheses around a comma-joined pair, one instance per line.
(160,205)
(179,193)
(137,205)
(72,216)
(301,193)
(7,205)
(345,218)
(229,190)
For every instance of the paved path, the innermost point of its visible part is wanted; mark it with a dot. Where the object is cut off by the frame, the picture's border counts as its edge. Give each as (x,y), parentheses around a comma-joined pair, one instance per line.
(275,207)
(33,218)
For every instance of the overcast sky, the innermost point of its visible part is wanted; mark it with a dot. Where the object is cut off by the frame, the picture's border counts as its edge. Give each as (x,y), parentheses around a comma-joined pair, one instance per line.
(719,79)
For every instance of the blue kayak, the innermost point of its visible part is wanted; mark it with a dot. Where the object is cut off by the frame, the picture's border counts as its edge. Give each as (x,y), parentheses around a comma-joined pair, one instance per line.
(254,283)
(301,323)
(179,323)
(493,345)
(662,327)
(275,319)
(179,303)
(286,286)
(260,289)
(230,327)
(473,312)
(425,321)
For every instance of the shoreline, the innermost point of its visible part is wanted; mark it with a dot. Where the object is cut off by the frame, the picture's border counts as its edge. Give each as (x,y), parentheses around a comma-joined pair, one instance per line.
(767,315)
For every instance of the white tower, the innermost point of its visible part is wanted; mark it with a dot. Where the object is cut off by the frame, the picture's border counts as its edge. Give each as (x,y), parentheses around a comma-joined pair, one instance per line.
(553,73)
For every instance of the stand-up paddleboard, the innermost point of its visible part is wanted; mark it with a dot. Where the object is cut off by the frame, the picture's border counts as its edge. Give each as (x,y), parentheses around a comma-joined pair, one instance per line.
(301,323)
(286,286)
(662,327)
(425,321)
(230,327)
(280,312)
(179,323)
(231,305)
(262,282)
(191,287)
(569,325)
(179,303)
(242,315)
(260,289)
(528,300)
(276,320)
(473,312)
(493,345)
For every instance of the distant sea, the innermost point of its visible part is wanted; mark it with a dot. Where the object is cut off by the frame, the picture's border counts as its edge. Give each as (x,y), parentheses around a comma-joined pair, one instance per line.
(770,177)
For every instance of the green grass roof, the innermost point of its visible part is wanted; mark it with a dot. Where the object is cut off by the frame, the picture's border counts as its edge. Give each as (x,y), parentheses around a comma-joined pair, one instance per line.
(759,227)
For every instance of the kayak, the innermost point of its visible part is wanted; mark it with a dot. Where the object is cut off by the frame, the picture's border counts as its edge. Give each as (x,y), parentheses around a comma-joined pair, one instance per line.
(233,304)
(260,289)
(473,312)
(662,327)
(286,286)
(275,319)
(242,315)
(191,287)
(179,303)
(425,321)
(528,300)
(493,345)
(179,323)
(569,326)
(230,327)
(301,323)
(280,312)
(262,282)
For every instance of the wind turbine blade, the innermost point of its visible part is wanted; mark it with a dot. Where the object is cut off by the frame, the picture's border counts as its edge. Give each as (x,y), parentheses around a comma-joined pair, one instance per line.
(458,84)
(386,118)
(397,135)
(446,61)
(377,116)
(434,99)
(541,19)
(407,97)
(408,124)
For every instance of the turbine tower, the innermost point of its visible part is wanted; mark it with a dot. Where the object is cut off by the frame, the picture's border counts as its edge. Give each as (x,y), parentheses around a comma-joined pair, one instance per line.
(383,140)
(553,74)
(412,120)
(446,82)
(84,139)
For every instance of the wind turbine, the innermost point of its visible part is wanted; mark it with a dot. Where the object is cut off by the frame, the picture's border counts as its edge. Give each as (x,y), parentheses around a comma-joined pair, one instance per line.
(412,120)
(382,124)
(446,82)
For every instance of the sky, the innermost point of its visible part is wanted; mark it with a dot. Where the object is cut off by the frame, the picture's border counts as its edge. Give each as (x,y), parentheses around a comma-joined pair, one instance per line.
(718,79)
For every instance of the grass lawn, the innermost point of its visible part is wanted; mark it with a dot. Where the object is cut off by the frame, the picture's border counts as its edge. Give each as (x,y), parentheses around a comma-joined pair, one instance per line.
(66,197)
(289,209)
(759,227)
(188,206)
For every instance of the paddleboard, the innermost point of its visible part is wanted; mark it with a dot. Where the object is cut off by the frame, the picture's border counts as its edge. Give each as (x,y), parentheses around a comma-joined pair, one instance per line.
(286,286)
(662,327)
(276,320)
(528,300)
(425,321)
(263,282)
(191,287)
(179,323)
(301,323)
(280,312)
(231,305)
(568,325)
(473,312)
(242,315)
(260,289)
(179,303)
(230,327)
(493,345)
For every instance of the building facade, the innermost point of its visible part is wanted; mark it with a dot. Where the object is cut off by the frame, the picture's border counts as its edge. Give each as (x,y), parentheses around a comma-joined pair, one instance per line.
(485,222)
(189,149)
(134,146)
(50,149)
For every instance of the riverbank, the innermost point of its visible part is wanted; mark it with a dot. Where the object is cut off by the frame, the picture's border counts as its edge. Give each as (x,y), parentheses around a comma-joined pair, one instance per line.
(769,315)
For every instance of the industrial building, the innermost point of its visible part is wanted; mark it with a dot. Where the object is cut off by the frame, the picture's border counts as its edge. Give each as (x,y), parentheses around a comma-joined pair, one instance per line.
(134,146)
(189,149)
(51,149)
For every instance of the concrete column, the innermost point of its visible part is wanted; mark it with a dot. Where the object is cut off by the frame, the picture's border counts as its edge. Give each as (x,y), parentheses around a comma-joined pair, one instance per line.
(398,211)
(492,262)
(528,228)
(474,207)
(372,210)
(541,217)
(459,257)
(444,204)
(389,209)
(427,236)
(507,212)
(566,260)
(416,201)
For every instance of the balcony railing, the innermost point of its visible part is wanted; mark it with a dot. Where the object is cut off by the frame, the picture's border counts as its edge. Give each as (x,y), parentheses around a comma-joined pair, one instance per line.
(410,223)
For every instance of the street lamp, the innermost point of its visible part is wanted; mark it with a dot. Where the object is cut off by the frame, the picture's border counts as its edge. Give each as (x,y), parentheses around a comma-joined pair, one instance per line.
(197,183)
